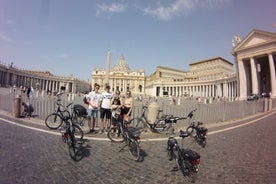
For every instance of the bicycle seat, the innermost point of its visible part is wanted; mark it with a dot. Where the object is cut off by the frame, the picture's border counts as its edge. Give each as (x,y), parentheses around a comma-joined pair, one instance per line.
(183,134)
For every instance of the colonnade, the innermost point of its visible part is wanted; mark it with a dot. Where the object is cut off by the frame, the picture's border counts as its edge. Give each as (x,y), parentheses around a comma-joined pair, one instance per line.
(257,75)
(13,77)
(226,89)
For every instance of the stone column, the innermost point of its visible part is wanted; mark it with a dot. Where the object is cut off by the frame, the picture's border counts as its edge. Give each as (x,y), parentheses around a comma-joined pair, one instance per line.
(254,76)
(272,76)
(47,85)
(242,80)
(219,90)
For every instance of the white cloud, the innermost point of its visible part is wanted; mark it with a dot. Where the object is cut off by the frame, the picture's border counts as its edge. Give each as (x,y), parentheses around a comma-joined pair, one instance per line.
(5,38)
(181,7)
(111,8)
(62,56)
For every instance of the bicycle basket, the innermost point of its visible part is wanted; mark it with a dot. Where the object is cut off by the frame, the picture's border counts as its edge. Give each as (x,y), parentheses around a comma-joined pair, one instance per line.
(190,154)
(134,131)
(80,110)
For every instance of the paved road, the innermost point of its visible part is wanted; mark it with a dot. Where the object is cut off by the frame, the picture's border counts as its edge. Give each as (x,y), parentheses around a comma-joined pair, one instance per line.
(244,155)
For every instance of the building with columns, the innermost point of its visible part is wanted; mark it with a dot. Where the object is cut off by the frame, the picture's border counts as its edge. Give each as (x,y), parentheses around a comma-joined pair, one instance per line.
(207,78)
(255,57)
(120,77)
(40,80)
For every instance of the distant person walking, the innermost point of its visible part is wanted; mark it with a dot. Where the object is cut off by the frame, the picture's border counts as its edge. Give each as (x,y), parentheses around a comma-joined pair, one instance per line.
(105,111)
(92,112)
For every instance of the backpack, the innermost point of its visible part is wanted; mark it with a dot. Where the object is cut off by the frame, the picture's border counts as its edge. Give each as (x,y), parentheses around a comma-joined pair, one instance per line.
(85,99)
(79,110)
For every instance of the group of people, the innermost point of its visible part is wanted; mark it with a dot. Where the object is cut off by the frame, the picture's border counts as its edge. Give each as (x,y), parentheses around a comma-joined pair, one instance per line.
(113,108)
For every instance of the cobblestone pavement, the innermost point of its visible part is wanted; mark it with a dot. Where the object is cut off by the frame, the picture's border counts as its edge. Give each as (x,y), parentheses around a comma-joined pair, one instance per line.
(244,155)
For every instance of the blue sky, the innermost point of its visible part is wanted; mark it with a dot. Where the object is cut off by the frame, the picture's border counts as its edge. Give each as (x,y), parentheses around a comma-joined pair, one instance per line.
(71,37)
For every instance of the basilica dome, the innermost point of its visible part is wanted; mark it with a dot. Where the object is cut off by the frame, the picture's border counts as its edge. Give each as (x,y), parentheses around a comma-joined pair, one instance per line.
(121,65)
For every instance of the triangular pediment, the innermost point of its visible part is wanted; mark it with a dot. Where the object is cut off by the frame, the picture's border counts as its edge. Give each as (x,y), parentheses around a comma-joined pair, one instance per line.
(256,38)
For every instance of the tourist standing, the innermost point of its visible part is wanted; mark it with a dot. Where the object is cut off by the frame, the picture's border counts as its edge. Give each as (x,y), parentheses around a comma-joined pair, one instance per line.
(92,112)
(116,105)
(105,111)
(128,106)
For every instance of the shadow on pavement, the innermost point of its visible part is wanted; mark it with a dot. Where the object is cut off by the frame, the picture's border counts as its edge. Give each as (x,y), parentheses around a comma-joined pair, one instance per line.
(83,150)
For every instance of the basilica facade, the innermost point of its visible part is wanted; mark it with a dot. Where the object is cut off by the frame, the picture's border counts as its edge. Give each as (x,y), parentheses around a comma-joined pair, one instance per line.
(121,77)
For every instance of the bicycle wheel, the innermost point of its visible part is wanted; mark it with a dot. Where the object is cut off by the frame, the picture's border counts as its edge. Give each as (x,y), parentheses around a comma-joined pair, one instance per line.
(134,149)
(114,134)
(72,148)
(186,168)
(78,132)
(82,121)
(170,153)
(137,122)
(201,141)
(53,121)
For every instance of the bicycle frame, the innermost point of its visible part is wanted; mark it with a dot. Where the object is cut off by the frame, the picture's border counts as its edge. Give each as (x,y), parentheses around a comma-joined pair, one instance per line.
(64,112)
(186,160)
(131,140)
(158,126)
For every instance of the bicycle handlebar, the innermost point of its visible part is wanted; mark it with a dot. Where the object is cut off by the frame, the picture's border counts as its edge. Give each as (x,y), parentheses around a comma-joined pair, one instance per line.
(191,114)
(172,119)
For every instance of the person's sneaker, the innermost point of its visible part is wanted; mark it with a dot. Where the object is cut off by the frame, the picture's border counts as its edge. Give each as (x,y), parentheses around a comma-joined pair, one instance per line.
(102,131)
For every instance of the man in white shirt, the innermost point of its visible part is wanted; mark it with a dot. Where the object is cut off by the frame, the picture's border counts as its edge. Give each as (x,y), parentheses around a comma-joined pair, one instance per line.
(93,106)
(105,99)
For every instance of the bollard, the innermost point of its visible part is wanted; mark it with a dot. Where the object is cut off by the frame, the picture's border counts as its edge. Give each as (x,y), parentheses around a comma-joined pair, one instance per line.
(17,106)
(265,105)
(269,104)
(152,111)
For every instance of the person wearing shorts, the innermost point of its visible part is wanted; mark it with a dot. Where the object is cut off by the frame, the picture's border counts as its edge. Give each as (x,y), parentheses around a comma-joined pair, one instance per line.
(105,112)
(92,111)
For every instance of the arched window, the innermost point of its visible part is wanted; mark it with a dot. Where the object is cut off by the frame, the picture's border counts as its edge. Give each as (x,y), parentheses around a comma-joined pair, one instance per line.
(140,88)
